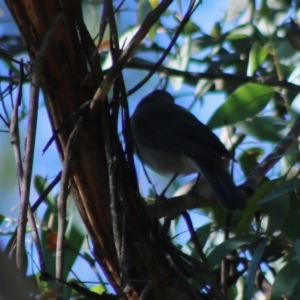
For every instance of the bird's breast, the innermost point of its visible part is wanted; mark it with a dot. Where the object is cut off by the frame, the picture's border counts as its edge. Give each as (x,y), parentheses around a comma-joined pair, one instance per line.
(166,163)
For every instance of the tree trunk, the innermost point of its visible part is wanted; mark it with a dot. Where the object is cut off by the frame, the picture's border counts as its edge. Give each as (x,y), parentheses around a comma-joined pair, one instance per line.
(105,191)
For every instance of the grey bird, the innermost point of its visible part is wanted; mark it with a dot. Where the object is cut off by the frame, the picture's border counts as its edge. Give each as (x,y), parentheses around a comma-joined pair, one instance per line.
(171,140)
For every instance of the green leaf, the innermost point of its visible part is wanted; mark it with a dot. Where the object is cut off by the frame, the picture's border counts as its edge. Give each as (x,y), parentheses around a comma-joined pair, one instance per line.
(297,249)
(124,39)
(244,102)
(153,31)
(265,10)
(216,30)
(292,221)
(144,8)
(39,184)
(218,253)
(257,56)
(190,28)
(235,9)
(287,187)
(91,18)
(75,235)
(255,261)
(2,218)
(287,282)
(203,42)
(245,31)
(180,62)
(287,54)
(277,212)
(98,288)
(248,213)
(203,234)
(202,87)
(241,32)
(154,3)
(294,76)
(264,128)
(248,159)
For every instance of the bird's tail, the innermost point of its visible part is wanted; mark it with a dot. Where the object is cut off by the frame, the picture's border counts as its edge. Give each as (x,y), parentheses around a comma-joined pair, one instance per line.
(222,185)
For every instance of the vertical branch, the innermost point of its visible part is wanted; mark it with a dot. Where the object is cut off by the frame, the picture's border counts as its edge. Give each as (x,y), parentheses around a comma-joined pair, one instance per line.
(14,130)
(117,209)
(28,161)
(115,205)
(30,143)
(68,170)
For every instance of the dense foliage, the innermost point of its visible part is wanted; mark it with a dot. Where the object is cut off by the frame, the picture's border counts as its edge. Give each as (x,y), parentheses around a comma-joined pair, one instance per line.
(243,71)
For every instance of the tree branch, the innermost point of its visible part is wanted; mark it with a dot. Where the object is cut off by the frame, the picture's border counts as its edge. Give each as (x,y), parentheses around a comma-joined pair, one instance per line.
(193,77)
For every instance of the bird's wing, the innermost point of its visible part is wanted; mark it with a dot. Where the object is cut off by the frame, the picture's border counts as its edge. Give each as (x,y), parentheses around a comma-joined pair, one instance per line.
(176,130)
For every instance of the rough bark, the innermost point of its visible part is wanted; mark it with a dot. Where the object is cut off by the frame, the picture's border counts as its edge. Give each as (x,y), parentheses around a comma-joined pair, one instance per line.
(137,269)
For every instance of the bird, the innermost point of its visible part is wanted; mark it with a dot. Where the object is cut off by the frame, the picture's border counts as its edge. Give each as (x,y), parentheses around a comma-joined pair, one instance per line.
(171,140)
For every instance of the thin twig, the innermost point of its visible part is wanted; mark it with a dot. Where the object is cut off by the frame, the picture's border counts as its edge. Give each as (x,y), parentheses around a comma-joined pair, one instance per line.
(115,205)
(9,89)
(194,238)
(193,268)
(68,169)
(28,162)
(37,241)
(46,191)
(116,208)
(30,142)
(194,77)
(14,132)
(186,18)
(34,207)
(127,53)
(10,79)
(257,175)
(102,28)
(223,280)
